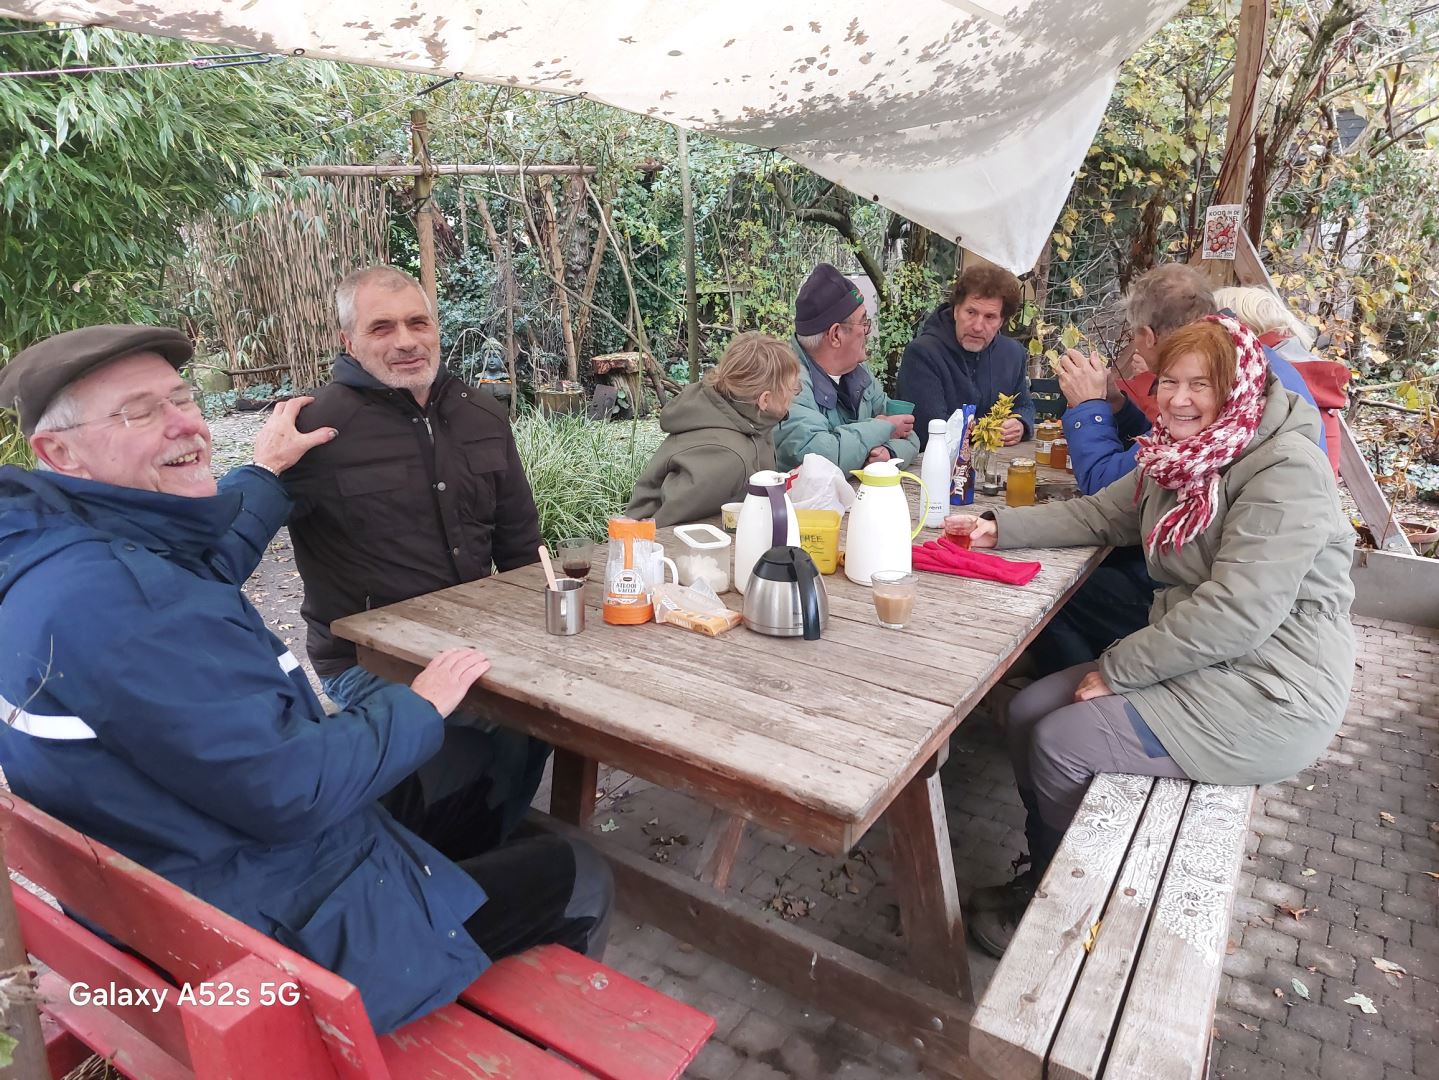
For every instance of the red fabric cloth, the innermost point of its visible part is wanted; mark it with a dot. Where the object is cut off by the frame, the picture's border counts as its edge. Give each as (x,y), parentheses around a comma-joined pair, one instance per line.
(943,556)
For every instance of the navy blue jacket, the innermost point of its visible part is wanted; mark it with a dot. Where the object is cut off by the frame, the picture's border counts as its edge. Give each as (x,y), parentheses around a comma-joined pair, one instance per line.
(939,376)
(1101,443)
(150,708)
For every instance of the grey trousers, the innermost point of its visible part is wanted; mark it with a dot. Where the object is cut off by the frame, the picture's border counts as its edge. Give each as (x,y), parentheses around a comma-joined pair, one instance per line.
(1057,745)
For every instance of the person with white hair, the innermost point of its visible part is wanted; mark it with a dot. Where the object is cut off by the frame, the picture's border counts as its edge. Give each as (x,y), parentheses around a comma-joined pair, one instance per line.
(422,490)
(1289,337)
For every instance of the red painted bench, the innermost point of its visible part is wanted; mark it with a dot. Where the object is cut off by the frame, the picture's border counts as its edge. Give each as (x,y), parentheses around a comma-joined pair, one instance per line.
(239,1005)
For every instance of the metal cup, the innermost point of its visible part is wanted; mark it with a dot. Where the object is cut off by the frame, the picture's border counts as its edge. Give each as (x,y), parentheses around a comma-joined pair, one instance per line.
(565,607)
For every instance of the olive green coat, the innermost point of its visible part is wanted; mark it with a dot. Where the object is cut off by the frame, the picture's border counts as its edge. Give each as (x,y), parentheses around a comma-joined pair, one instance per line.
(714,445)
(1245,667)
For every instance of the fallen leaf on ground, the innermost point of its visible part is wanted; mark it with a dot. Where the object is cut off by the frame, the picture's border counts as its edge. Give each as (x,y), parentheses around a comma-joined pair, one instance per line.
(1248,1027)
(1431,873)
(1296,913)
(1309,787)
(1091,938)
(1365,1005)
(609,826)
(1300,988)
(790,907)
(1389,967)
(1279,993)
(1308,872)
(1385,815)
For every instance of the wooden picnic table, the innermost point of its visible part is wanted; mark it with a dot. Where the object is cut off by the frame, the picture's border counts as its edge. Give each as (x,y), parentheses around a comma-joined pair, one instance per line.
(813,740)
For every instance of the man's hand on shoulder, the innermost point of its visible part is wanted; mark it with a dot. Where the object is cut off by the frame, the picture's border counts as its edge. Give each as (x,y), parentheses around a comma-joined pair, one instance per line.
(280,444)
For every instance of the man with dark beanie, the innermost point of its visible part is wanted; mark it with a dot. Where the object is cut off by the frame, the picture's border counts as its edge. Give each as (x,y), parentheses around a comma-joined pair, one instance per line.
(841,412)
(959,357)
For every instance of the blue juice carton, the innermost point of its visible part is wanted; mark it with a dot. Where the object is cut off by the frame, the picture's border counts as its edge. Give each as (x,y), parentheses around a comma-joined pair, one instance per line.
(961,486)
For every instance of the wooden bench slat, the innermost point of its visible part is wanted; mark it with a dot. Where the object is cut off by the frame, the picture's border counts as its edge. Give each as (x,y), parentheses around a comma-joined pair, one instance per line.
(453,1042)
(1016,1021)
(77,955)
(1089,1019)
(1166,1035)
(606,1022)
(191,939)
(107,1035)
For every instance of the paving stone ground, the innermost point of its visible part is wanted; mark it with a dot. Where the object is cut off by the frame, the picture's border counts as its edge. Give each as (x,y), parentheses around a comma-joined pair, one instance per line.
(1329,884)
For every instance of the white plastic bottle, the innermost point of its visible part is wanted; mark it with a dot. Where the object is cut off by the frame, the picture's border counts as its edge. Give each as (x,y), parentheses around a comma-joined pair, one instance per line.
(935,473)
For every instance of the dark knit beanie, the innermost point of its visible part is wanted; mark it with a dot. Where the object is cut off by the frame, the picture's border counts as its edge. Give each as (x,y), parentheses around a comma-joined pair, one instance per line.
(826,297)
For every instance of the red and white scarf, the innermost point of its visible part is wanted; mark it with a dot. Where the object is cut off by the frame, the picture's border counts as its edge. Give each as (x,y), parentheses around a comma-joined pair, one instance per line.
(1191,466)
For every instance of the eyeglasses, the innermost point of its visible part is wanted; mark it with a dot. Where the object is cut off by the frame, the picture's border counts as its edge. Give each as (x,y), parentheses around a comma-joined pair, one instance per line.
(865,324)
(145,413)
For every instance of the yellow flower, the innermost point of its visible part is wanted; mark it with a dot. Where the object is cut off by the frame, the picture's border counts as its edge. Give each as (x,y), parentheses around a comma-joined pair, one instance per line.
(988,430)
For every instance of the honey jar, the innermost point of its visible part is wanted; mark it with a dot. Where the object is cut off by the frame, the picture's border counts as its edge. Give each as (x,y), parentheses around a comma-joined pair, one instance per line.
(1045,434)
(1058,454)
(1019,485)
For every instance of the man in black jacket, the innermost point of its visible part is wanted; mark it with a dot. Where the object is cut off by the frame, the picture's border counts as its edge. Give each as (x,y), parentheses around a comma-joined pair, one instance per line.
(421,490)
(959,357)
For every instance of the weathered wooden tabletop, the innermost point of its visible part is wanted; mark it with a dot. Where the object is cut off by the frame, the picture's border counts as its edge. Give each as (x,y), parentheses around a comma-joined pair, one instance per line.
(812,739)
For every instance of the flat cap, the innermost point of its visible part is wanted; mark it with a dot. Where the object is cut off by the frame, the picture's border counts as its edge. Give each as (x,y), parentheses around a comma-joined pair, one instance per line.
(33,379)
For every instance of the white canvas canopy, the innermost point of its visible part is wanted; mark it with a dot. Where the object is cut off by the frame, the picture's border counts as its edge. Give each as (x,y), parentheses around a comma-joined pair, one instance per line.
(969,119)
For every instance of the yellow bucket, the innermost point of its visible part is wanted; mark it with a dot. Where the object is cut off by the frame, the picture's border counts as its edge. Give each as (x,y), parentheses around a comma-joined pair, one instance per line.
(819,535)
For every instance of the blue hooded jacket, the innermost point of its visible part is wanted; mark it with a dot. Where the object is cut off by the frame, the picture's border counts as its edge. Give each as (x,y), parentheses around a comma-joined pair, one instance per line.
(939,375)
(149,707)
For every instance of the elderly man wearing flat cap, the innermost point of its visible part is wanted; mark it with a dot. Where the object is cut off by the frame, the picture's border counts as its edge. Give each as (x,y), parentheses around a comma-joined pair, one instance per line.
(841,412)
(147,704)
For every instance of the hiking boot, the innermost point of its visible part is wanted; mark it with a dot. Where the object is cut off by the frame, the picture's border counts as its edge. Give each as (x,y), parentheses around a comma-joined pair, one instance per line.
(997,911)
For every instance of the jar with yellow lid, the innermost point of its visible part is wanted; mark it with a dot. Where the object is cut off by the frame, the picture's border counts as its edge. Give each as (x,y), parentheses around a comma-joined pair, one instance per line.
(1019,485)
(1045,434)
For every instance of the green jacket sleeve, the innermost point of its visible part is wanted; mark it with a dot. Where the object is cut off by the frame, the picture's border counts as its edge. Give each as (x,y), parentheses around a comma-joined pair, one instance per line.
(908,447)
(807,431)
(698,482)
(1110,516)
(1268,542)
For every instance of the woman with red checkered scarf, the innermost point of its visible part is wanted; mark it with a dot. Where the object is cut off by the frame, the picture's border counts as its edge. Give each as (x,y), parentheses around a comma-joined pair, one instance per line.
(1243,673)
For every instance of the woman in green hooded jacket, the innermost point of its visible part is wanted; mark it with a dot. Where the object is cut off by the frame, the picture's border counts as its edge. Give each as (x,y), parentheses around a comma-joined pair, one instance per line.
(1243,674)
(719,432)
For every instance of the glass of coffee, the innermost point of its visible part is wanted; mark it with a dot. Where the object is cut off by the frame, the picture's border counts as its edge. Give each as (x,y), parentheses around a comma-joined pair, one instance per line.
(574,555)
(893,592)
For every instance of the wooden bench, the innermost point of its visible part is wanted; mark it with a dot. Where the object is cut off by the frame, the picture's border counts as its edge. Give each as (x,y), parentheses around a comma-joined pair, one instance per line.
(548,1014)
(1114,970)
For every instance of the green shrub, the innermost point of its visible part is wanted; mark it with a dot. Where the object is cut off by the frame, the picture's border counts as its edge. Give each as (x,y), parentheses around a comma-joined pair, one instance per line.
(582,472)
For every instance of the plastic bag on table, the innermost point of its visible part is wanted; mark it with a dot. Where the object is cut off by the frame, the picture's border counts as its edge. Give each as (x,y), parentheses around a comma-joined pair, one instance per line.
(820,484)
(694,607)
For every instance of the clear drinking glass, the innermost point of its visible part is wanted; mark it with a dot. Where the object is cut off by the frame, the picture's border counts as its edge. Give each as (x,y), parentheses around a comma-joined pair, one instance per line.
(574,554)
(893,592)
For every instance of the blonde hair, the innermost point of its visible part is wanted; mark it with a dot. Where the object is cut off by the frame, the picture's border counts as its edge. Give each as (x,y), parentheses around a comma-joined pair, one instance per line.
(752,364)
(1263,311)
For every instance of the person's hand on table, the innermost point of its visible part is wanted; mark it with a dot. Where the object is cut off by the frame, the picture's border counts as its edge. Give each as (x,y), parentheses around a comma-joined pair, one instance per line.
(448,678)
(902,423)
(1082,378)
(982,532)
(879,453)
(1012,430)
(1092,686)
